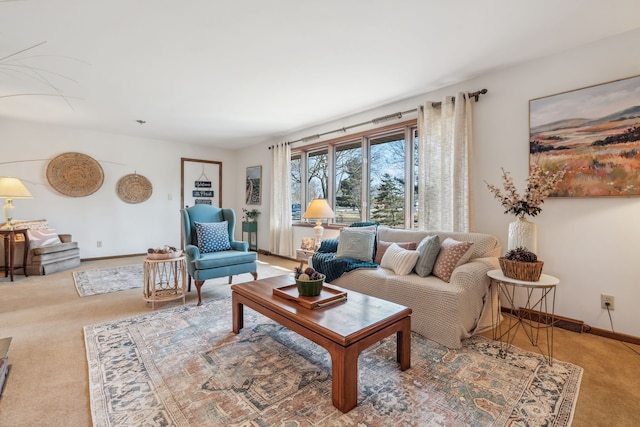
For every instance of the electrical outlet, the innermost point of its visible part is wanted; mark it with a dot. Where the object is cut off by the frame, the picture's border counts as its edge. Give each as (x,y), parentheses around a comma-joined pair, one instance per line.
(604,299)
(99,243)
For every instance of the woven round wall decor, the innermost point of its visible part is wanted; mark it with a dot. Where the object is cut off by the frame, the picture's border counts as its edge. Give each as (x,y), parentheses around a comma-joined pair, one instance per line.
(134,188)
(75,174)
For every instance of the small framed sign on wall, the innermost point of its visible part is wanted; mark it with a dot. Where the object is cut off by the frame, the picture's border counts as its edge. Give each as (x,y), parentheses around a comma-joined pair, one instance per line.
(201,182)
(253,185)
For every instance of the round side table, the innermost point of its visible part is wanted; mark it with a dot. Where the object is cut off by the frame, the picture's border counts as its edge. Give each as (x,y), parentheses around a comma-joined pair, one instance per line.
(537,313)
(165,280)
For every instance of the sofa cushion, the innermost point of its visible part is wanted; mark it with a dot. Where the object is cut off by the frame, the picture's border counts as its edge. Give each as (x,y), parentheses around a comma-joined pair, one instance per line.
(382,247)
(356,243)
(213,236)
(428,251)
(400,260)
(452,254)
(42,237)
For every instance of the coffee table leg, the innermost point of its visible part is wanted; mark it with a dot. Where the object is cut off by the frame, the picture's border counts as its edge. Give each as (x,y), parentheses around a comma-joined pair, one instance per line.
(344,377)
(403,344)
(237,311)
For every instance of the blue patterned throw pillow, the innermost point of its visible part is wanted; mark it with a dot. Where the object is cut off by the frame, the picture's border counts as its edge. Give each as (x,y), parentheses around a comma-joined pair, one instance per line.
(212,236)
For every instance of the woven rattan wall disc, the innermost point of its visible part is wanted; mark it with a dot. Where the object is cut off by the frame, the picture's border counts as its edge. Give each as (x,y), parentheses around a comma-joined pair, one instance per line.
(75,174)
(134,188)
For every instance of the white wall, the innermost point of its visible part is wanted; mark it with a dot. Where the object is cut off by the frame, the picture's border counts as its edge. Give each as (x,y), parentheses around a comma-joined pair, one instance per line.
(123,228)
(589,244)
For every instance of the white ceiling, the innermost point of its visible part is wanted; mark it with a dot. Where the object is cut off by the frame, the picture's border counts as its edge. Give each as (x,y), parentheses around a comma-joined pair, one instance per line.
(235,73)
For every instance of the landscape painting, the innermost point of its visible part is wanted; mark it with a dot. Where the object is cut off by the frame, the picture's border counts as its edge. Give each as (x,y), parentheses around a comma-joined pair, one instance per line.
(593,134)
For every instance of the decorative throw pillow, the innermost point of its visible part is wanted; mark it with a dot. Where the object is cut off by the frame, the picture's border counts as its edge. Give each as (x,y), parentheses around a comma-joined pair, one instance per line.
(356,243)
(400,260)
(452,254)
(428,249)
(42,237)
(212,236)
(382,247)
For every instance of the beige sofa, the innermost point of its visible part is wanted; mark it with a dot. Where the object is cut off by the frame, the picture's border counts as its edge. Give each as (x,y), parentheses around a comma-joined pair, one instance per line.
(443,312)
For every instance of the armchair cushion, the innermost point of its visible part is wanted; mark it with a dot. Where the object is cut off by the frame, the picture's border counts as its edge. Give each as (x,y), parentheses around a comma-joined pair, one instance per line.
(213,236)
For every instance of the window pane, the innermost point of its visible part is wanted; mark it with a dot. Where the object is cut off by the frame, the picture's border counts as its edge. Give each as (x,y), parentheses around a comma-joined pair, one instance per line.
(386,180)
(296,197)
(317,175)
(348,183)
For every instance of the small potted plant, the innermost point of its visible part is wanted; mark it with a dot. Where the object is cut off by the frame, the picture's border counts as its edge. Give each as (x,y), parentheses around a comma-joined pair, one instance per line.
(521,264)
(250,215)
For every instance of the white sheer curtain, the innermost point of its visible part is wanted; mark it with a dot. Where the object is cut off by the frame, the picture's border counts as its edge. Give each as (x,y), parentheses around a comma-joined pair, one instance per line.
(444,165)
(280,230)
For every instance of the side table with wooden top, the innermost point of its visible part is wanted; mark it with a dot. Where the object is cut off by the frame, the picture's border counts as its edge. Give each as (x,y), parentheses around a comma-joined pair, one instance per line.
(538,311)
(9,236)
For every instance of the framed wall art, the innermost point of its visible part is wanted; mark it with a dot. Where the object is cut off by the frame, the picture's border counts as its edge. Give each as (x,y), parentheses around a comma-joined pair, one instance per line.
(253,185)
(593,134)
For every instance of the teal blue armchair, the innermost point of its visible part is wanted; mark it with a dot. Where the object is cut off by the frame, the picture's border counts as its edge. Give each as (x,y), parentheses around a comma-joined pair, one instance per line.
(204,264)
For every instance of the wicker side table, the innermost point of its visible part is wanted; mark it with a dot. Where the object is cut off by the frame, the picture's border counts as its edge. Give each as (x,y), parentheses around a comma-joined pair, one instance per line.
(537,313)
(165,280)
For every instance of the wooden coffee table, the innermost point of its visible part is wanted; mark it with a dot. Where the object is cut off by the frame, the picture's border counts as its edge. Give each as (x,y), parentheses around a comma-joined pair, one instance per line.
(344,329)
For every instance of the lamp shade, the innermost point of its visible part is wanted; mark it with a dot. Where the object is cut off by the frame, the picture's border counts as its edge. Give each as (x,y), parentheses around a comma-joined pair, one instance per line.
(318,209)
(13,188)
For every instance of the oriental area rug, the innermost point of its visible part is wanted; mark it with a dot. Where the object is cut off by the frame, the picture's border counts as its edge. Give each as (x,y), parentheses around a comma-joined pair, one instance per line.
(184,367)
(114,279)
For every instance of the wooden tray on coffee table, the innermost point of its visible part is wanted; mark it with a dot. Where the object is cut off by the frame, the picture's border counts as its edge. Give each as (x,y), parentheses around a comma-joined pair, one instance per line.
(328,296)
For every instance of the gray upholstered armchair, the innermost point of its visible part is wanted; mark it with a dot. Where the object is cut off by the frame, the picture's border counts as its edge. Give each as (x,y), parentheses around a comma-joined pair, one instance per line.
(210,248)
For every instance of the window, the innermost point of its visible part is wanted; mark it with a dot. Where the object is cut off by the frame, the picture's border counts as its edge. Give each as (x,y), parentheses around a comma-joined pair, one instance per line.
(364,177)
(348,179)
(296,188)
(318,176)
(386,180)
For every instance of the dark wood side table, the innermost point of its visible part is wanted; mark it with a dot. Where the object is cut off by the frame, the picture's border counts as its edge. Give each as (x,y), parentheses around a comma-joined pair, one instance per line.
(9,237)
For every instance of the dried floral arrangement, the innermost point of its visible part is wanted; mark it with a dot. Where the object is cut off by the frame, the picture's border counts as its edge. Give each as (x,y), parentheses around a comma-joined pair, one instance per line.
(539,185)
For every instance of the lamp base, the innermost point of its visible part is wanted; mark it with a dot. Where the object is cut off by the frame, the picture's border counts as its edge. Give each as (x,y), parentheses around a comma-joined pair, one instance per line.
(7,209)
(318,231)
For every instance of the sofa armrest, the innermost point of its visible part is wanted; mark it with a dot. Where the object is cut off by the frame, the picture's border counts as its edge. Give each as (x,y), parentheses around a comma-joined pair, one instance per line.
(474,272)
(328,246)
(65,238)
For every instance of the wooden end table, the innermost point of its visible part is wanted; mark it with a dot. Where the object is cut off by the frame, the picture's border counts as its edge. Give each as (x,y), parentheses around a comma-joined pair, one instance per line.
(9,236)
(344,329)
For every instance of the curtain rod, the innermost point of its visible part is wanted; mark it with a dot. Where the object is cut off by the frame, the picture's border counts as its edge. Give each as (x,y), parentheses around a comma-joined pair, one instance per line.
(378,120)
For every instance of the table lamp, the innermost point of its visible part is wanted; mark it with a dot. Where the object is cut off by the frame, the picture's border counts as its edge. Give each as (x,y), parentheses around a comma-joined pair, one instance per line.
(11,188)
(318,209)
